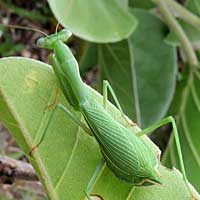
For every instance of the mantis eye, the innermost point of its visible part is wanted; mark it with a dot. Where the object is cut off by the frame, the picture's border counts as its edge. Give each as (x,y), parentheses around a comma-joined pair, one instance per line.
(40,43)
(66,34)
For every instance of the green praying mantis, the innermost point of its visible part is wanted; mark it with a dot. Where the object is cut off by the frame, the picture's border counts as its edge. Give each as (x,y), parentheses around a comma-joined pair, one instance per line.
(127,156)
(125,153)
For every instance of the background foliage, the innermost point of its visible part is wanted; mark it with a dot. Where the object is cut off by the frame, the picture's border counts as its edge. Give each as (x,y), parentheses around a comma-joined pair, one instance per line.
(127,43)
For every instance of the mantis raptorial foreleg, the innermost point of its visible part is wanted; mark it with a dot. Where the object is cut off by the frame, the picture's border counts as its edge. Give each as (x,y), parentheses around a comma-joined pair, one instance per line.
(74,118)
(69,114)
(106,86)
(54,101)
(93,178)
(175,131)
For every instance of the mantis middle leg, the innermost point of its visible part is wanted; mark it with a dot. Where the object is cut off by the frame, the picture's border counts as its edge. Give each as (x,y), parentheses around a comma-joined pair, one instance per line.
(106,86)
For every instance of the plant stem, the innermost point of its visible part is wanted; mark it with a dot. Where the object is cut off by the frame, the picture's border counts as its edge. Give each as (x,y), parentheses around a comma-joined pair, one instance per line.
(177,29)
(184,14)
(13,170)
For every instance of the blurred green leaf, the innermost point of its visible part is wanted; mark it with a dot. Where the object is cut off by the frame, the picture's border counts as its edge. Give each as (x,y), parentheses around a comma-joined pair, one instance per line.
(187,100)
(8,48)
(123,3)
(89,58)
(95,21)
(67,157)
(3,197)
(145,4)
(16,156)
(192,33)
(142,70)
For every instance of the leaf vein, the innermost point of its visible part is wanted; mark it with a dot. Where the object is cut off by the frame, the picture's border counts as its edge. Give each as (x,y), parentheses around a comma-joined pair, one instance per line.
(69,160)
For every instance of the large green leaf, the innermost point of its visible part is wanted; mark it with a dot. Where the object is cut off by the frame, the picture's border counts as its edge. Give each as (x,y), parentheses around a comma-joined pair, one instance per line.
(123,3)
(192,33)
(142,70)
(66,158)
(187,100)
(97,21)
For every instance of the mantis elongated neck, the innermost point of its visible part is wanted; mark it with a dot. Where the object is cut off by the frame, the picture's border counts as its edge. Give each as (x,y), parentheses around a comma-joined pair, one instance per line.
(70,69)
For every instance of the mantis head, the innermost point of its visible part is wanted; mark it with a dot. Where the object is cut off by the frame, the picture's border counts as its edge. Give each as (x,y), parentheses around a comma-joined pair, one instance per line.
(48,42)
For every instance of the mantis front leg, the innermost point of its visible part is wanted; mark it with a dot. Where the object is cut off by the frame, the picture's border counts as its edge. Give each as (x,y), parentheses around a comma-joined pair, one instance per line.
(69,114)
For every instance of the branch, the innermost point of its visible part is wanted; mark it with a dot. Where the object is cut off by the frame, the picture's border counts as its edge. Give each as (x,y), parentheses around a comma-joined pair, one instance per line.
(177,29)
(184,14)
(11,170)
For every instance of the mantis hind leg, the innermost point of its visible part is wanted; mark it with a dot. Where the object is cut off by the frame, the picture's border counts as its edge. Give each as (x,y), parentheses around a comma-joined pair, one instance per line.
(69,114)
(93,178)
(175,131)
(106,86)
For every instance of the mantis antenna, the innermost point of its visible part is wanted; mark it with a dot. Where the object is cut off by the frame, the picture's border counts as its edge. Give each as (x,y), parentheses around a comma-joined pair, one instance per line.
(24,28)
(57,26)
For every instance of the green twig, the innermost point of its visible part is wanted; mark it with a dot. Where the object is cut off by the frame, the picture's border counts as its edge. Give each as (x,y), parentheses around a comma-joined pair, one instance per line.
(184,14)
(177,29)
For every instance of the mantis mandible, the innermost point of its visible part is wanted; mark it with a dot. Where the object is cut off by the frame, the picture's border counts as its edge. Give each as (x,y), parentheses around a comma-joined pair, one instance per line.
(126,155)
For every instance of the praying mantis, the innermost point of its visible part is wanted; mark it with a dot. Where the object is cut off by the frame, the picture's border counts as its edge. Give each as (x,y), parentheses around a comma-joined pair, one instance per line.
(126,155)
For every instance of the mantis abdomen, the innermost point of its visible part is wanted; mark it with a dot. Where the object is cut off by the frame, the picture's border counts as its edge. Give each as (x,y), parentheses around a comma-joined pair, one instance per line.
(126,155)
